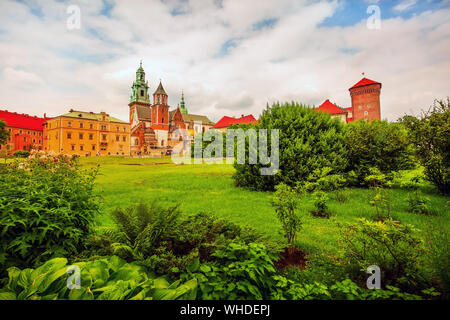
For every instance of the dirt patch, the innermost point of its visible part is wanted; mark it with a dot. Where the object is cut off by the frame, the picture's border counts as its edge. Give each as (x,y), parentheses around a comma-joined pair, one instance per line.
(318,214)
(146,164)
(295,258)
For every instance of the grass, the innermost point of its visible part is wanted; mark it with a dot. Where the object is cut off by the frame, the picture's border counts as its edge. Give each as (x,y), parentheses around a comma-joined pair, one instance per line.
(123,182)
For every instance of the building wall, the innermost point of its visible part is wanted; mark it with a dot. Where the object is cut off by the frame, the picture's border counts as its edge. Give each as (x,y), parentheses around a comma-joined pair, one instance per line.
(366,102)
(23,139)
(83,136)
(340,116)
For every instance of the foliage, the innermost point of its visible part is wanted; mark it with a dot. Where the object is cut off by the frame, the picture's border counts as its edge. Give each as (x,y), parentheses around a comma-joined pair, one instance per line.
(142,228)
(393,247)
(430,134)
(417,203)
(160,240)
(239,271)
(22,154)
(376,144)
(4,134)
(285,202)
(379,183)
(308,140)
(438,254)
(48,207)
(105,279)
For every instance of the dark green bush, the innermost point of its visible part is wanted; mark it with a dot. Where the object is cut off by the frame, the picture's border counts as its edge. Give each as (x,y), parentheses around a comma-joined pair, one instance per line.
(395,248)
(161,240)
(47,210)
(376,144)
(309,140)
(22,154)
(430,134)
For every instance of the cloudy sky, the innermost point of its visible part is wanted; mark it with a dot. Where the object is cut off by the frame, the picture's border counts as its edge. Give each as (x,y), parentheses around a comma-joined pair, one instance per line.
(230,57)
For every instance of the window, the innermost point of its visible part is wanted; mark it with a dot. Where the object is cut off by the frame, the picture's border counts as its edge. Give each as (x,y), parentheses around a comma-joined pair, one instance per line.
(117,138)
(360,107)
(91,136)
(81,148)
(124,138)
(91,126)
(81,125)
(142,92)
(117,128)
(34,140)
(121,147)
(24,139)
(69,135)
(93,147)
(136,142)
(34,133)
(103,127)
(40,134)
(366,113)
(69,124)
(124,129)
(73,147)
(39,141)
(104,137)
(80,136)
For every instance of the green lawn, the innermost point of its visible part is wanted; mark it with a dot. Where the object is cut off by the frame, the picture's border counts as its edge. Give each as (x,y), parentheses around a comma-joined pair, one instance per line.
(209,188)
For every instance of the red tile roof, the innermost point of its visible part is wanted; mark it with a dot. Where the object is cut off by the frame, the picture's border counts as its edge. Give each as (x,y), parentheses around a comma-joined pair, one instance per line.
(24,121)
(227,121)
(329,107)
(364,82)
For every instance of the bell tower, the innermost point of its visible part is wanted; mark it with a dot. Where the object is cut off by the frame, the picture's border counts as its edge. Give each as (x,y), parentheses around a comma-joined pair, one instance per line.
(160,115)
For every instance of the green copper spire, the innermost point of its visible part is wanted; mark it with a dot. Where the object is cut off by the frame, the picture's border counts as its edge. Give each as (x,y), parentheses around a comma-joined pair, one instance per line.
(182,106)
(140,87)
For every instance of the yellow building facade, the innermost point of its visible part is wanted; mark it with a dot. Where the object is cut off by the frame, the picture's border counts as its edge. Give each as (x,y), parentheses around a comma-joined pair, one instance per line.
(87,134)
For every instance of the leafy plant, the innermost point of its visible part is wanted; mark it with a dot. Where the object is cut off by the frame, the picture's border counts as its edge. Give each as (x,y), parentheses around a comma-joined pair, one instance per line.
(105,279)
(285,202)
(417,203)
(22,154)
(48,206)
(378,182)
(4,134)
(393,247)
(239,271)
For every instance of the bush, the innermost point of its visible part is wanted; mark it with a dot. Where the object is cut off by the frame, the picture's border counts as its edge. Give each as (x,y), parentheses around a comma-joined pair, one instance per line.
(22,154)
(430,134)
(104,279)
(308,140)
(48,207)
(376,144)
(417,202)
(391,246)
(159,239)
(285,202)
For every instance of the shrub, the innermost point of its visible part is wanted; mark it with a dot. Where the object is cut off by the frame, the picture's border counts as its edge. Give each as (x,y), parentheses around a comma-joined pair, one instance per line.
(308,140)
(48,207)
(159,239)
(239,271)
(379,183)
(142,228)
(392,246)
(376,144)
(430,134)
(104,279)
(4,134)
(417,203)
(22,154)
(285,202)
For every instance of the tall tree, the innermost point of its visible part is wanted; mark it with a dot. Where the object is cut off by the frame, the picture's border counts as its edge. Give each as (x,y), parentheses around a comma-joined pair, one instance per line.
(4,134)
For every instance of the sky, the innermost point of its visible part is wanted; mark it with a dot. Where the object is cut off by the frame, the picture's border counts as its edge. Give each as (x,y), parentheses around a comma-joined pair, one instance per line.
(229,57)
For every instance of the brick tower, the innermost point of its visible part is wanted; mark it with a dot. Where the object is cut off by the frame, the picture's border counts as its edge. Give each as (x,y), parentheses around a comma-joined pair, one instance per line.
(160,116)
(366,100)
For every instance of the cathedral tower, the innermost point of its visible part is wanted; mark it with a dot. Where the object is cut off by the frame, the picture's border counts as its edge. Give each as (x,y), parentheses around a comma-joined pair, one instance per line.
(160,115)
(139,95)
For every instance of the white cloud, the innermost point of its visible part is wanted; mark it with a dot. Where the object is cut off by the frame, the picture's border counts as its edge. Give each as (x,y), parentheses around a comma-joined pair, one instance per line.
(295,59)
(405,5)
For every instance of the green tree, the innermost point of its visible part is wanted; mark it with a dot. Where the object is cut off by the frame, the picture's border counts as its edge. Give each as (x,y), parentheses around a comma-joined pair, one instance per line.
(430,134)
(377,144)
(4,134)
(308,140)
